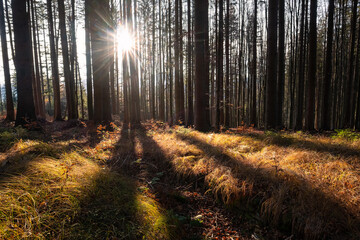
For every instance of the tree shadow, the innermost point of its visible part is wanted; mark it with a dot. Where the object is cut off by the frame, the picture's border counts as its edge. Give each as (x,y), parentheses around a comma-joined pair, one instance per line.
(124,150)
(152,168)
(286,201)
(287,141)
(105,205)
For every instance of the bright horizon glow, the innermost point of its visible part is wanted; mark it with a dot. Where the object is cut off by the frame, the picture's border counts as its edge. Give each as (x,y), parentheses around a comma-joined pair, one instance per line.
(126,42)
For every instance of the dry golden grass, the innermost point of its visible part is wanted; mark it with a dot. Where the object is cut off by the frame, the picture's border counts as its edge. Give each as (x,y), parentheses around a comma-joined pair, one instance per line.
(307,185)
(58,191)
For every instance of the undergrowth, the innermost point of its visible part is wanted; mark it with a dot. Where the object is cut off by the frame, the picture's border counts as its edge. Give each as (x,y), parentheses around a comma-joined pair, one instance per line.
(53,191)
(304,184)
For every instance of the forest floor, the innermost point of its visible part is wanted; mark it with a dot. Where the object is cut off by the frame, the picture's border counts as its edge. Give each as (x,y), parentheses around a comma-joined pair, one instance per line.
(77,181)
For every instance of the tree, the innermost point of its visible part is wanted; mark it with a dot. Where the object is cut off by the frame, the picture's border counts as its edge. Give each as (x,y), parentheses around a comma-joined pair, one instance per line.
(326,110)
(253,69)
(88,61)
(202,117)
(281,66)
(270,106)
(310,108)
(23,63)
(227,60)
(219,119)
(190,119)
(348,101)
(99,22)
(69,78)
(179,81)
(54,64)
(10,115)
(39,105)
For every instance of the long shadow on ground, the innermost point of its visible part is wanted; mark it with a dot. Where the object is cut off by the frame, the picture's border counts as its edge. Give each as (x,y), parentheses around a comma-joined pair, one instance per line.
(287,141)
(304,211)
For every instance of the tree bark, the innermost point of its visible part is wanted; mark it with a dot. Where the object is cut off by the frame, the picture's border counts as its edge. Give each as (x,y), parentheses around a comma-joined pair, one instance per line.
(23,62)
(202,118)
(10,115)
(54,64)
(310,108)
(88,62)
(219,71)
(326,110)
(190,119)
(69,78)
(270,108)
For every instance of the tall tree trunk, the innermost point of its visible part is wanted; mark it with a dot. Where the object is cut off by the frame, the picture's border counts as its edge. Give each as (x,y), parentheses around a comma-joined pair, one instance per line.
(54,64)
(181,116)
(219,70)
(281,66)
(161,78)
(179,82)
(254,70)
(227,60)
(357,79)
(47,70)
(100,58)
(348,103)
(190,119)
(112,38)
(10,115)
(10,31)
(88,61)
(170,70)
(23,63)
(135,108)
(270,108)
(300,82)
(202,118)
(326,110)
(69,78)
(310,106)
(39,106)
(153,69)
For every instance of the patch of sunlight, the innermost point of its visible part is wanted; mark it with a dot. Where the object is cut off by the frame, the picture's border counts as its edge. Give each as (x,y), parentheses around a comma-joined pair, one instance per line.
(154,220)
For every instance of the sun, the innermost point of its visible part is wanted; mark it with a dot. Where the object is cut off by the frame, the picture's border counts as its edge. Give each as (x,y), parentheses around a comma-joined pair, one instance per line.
(126,42)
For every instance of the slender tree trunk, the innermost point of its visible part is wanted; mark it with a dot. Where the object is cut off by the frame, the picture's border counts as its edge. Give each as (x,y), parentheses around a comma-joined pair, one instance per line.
(161,78)
(47,71)
(135,108)
(254,70)
(10,31)
(69,78)
(152,90)
(326,110)
(88,62)
(227,60)
(54,65)
(348,103)
(281,72)
(310,111)
(189,73)
(219,71)
(181,68)
(10,115)
(39,106)
(300,82)
(270,108)
(170,71)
